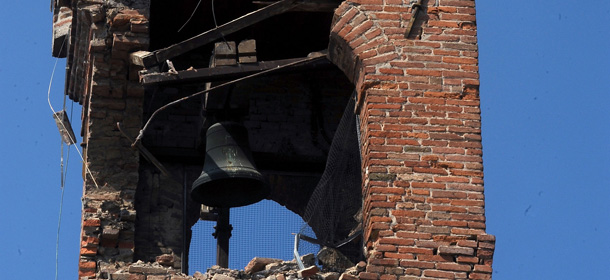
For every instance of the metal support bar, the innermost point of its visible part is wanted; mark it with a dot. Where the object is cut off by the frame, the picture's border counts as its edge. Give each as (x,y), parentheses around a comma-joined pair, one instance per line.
(222,235)
(185,244)
(295,251)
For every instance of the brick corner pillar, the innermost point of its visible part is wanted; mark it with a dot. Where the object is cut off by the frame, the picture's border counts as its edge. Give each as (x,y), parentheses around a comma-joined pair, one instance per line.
(100,77)
(418,100)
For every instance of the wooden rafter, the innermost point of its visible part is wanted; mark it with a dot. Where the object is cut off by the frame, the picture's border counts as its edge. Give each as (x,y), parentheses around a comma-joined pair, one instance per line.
(158,56)
(229,72)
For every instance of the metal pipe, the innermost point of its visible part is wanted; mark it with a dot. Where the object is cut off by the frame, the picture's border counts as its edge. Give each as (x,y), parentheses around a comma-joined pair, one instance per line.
(222,235)
(185,245)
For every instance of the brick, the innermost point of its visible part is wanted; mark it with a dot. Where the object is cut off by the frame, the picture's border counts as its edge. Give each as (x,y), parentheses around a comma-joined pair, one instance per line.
(468,260)
(88,251)
(439,274)
(453,250)
(454,267)
(384,262)
(86,266)
(483,268)
(368,275)
(308,271)
(388,277)
(92,223)
(479,276)
(417,264)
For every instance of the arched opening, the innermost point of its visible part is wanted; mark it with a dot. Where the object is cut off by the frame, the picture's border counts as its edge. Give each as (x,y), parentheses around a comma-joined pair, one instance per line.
(292,118)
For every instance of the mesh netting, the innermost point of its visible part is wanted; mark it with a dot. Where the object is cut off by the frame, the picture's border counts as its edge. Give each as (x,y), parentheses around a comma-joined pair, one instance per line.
(334,207)
(263,229)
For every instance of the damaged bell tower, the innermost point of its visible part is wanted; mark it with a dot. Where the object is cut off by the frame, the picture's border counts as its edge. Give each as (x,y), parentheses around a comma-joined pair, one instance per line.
(362,117)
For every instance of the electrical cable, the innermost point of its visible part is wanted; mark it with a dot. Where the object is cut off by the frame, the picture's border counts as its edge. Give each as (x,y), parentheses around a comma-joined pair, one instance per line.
(216,25)
(188,20)
(152,116)
(55,112)
(63,167)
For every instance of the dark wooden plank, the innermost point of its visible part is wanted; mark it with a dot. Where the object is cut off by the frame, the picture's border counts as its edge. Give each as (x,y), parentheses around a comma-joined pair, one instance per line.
(414,12)
(229,72)
(209,36)
(309,6)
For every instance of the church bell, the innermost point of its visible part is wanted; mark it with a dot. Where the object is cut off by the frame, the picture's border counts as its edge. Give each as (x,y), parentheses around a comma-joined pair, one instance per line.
(229,177)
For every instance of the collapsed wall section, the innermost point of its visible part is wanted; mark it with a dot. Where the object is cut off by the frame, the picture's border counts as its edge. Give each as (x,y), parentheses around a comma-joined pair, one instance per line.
(420,133)
(100,77)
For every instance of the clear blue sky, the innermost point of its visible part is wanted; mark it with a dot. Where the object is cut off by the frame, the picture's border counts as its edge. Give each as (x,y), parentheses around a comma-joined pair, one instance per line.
(545,71)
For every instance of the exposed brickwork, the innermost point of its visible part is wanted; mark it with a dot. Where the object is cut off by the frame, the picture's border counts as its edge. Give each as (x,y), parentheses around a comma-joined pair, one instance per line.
(420,123)
(418,101)
(99,79)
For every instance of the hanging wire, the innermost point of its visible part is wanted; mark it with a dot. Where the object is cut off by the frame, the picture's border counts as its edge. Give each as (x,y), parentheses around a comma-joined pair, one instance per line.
(64,104)
(64,174)
(152,116)
(187,21)
(63,168)
(213,17)
(61,164)
(216,25)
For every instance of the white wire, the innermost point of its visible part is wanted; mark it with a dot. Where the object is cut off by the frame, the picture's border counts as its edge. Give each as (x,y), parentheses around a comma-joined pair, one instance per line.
(63,174)
(64,127)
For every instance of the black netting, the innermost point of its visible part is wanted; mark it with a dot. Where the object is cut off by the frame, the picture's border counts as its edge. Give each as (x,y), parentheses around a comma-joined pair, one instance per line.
(333,211)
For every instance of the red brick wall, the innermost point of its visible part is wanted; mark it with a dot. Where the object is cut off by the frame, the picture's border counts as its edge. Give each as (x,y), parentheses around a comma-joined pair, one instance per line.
(418,102)
(421,135)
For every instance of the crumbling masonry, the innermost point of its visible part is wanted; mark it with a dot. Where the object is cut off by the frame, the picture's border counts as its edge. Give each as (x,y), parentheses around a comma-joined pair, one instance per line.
(413,66)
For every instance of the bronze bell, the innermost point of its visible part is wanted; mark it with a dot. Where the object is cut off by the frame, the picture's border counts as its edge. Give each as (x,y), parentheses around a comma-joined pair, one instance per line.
(229,177)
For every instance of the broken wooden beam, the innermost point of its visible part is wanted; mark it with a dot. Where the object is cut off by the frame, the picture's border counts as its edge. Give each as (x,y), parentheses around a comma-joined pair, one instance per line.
(158,56)
(230,72)
(308,6)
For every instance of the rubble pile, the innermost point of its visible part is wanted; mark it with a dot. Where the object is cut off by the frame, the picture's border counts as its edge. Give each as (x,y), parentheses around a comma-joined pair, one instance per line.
(276,269)
(257,269)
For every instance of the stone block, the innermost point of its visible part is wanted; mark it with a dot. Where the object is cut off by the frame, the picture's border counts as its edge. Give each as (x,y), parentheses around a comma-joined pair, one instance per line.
(225,53)
(257,264)
(147,269)
(332,258)
(247,51)
(222,277)
(454,250)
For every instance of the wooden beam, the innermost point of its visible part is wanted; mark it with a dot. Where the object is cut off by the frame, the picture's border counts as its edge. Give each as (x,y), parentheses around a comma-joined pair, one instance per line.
(230,72)
(212,35)
(308,6)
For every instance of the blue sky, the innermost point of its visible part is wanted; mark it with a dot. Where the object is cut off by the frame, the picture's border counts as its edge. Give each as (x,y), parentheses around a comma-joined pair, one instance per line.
(545,69)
